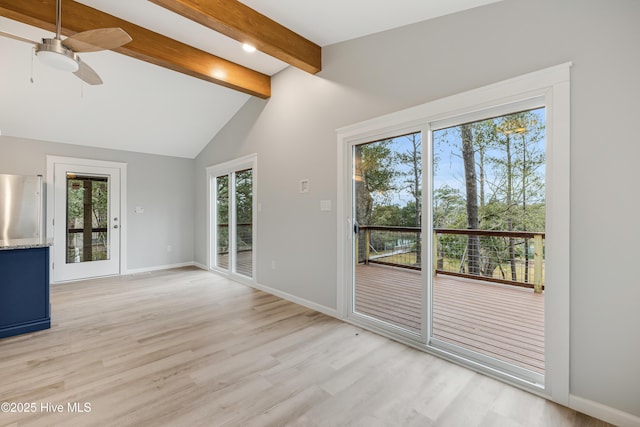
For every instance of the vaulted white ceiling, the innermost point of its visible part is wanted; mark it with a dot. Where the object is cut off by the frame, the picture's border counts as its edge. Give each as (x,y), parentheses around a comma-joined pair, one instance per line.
(146,108)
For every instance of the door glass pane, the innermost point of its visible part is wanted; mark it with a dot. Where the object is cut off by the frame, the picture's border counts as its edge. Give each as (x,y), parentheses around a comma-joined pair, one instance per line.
(387,194)
(244,222)
(87,218)
(222,221)
(489,230)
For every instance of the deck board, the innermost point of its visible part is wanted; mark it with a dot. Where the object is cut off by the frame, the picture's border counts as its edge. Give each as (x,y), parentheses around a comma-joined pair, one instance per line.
(244,261)
(503,322)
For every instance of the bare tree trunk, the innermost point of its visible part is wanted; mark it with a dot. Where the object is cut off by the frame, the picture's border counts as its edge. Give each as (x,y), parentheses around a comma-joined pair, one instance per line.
(509,198)
(363,202)
(482,175)
(417,180)
(471,183)
(524,207)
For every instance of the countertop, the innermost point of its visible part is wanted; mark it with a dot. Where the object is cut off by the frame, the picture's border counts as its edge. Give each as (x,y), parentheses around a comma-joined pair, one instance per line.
(35,242)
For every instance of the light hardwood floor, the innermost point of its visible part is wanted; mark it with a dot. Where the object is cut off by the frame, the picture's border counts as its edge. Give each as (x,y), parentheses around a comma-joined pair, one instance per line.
(188,348)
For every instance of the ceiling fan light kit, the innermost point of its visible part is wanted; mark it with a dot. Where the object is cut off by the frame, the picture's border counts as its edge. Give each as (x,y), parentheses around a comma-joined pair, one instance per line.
(54,54)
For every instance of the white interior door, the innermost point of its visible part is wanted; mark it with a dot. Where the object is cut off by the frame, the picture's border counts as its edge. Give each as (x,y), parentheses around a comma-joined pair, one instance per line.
(87,224)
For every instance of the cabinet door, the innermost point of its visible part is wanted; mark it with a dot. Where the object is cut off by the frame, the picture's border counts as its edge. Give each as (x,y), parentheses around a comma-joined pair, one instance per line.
(24,286)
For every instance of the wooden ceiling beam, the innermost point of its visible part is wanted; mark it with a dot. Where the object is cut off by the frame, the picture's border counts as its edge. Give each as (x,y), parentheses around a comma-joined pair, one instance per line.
(238,21)
(146,45)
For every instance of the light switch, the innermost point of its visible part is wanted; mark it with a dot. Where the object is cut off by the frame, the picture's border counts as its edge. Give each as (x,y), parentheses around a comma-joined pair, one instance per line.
(139,210)
(304,186)
(325,205)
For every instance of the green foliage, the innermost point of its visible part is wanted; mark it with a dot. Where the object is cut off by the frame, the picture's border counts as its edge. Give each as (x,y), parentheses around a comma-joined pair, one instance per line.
(449,210)
(244,209)
(509,167)
(507,155)
(222,213)
(510,172)
(505,160)
(394,215)
(98,205)
(244,196)
(377,167)
(374,173)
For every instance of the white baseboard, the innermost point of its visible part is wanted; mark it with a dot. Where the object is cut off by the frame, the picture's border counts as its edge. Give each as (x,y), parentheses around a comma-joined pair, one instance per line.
(603,412)
(160,267)
(297,300)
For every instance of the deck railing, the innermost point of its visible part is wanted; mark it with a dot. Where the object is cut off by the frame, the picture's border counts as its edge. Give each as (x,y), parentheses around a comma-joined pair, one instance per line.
(244,238)
(510,257)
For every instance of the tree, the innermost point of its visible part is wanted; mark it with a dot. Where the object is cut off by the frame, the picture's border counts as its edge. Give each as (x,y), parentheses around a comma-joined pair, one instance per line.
(471,186)
(244,208)
(222,215)
(507,192)
(373,175)
(449,210)
(413,183)
(88,209)
(388,215)
(518,132)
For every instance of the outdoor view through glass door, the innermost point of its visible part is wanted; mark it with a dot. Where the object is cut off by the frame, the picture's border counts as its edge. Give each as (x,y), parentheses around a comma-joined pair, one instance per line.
(87,218)
(387,212)
(488,209)
(233,231)
(482,249)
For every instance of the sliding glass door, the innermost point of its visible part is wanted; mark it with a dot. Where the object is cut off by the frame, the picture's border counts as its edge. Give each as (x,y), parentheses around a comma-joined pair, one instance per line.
(232,218)
(464,273)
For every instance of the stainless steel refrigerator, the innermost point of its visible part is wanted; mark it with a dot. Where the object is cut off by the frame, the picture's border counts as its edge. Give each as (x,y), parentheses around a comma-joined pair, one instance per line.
(21,207)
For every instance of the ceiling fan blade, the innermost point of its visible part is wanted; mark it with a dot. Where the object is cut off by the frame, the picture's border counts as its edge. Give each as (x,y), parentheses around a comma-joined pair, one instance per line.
(87,75)
(13,36)
(96,40)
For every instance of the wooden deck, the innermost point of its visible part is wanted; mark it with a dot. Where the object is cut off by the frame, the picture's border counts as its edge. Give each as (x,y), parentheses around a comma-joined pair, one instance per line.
(503,322)
(244,262)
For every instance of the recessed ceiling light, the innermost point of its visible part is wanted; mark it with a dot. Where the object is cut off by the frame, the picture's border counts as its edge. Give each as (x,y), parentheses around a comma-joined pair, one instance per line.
(248,48)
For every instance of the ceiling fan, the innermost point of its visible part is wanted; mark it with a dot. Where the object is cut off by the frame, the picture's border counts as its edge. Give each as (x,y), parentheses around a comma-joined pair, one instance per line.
(61,54)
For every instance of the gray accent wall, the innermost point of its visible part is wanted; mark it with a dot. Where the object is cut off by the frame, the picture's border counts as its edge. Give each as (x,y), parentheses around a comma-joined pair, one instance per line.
(162,185)
(294,135)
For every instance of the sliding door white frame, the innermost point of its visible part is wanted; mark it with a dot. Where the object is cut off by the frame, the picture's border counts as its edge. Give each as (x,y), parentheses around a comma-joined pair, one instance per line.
(229,168)
(552,85)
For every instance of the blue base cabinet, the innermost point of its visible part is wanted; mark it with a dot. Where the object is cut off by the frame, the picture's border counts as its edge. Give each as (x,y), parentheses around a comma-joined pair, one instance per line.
(24,291)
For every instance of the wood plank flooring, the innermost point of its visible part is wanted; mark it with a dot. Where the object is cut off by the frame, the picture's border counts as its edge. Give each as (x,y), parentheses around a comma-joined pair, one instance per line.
(503,322)
(186,347)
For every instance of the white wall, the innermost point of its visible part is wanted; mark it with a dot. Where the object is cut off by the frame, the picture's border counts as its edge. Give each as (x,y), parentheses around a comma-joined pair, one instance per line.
(294,136)
(162,185)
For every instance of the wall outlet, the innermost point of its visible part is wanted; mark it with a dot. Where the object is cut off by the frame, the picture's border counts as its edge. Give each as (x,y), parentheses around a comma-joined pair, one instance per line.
(169,248)
(273,265)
